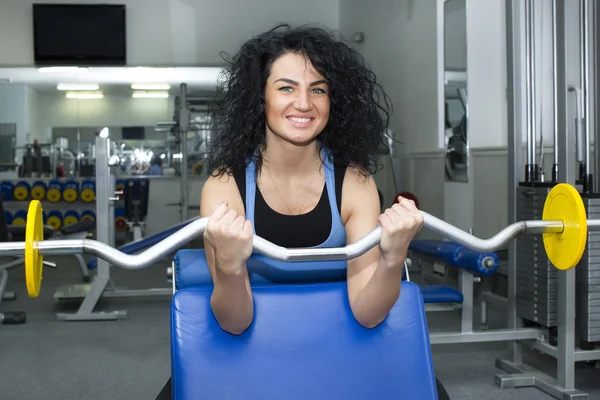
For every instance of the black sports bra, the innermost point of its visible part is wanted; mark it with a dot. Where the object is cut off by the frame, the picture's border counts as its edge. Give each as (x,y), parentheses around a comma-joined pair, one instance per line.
(292,231)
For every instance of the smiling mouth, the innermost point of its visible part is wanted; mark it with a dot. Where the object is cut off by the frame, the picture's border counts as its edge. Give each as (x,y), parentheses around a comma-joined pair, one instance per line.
(300,120)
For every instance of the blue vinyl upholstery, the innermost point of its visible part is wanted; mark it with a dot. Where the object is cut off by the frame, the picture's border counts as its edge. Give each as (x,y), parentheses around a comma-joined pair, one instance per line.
(456,255)
(441,294)
(304,343)
(192,270)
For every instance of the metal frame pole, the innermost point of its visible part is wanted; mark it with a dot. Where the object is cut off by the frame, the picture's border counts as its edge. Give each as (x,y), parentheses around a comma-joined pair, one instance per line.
(517,123)
(555,166)
(104,219)
(184,122)
(567,162)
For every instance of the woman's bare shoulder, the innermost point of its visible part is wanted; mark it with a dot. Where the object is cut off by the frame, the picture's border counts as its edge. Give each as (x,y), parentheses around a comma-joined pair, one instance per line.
(219,188)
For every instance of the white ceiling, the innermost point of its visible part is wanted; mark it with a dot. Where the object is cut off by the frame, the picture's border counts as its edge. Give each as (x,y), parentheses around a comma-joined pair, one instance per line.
(113,79)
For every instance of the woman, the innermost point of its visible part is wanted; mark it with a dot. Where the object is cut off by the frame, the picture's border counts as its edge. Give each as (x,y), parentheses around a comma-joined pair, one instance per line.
(297,133)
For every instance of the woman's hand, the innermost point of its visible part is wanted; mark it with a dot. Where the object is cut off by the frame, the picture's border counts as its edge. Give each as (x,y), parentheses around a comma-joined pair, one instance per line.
(230,235)
(400,224)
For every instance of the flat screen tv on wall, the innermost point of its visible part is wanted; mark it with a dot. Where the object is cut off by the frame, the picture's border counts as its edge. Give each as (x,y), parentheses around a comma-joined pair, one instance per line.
(79,34)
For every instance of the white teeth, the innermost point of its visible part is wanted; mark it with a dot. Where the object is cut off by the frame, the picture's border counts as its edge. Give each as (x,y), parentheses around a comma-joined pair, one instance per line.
(299,119)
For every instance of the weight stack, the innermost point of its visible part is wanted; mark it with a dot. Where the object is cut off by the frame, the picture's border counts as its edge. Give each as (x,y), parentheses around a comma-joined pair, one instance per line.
(588,280)
(537,278)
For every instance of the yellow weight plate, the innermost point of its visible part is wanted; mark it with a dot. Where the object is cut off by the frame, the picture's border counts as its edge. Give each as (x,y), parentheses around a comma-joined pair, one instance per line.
(38,193)
(88,195)
(70,195)
(53,195)
(18,221)
(70,220)
(565,249)
(20,193)
(54,222)
(34,233)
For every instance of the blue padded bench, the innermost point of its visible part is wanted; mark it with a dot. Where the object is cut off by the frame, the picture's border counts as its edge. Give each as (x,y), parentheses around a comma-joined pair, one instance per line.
(304,343)
(261,270)
(144,243)
(433,294)
(196,273)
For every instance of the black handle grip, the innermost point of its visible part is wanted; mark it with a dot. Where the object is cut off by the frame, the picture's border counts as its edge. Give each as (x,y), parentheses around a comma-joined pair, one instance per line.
(13,317)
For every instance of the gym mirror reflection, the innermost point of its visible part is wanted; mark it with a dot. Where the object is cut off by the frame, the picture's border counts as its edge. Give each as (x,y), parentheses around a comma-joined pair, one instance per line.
(139,106)
(456,141)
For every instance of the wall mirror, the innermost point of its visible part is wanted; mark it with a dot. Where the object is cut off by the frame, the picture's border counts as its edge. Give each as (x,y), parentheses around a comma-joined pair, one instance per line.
(456,143)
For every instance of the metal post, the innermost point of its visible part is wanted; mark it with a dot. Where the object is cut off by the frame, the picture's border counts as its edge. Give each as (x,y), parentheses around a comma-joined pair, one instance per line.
(531,168)
(516,126)
(585,91)
(466,288)
(595,77)
(555,168)
(566,159)
(104,219)
(184,122)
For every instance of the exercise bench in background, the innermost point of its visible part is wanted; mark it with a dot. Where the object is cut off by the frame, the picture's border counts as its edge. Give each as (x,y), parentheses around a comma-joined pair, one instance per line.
(472,267)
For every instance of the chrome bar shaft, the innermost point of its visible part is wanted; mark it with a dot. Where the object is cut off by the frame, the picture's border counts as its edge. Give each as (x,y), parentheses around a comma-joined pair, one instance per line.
(266,248)
(498,241)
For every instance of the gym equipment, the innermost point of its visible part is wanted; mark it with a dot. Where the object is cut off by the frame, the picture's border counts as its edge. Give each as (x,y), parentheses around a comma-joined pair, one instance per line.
(19,217)
(120,186)
(7,317)
(38,190)
(21,191)
(144,243)
(55,189)
(136,205)
(120,221)
(588,290)
(71,190)
(55,219)
(88,190)
(88,215)
(306,340)
(554,293)
(458,256)
(6,190)
(568,212)
(71,217)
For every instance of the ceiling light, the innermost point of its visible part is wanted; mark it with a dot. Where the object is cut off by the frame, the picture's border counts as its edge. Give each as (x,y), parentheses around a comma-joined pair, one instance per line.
(84,96)
(150,95)
(150,86)
(62,69)
(77,86)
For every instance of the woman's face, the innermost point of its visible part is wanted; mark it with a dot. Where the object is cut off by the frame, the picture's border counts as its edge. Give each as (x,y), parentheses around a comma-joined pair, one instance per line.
(297,99)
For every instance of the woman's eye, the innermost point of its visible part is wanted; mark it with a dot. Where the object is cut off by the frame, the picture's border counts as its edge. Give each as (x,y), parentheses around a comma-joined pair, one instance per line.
(319,91)
(286,89)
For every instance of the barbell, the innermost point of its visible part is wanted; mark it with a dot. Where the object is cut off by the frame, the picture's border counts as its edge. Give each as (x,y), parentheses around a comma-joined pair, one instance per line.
(564,227)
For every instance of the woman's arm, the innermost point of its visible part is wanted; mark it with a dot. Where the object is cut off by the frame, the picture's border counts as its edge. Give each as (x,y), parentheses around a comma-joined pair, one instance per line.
(231,300)
(374,278)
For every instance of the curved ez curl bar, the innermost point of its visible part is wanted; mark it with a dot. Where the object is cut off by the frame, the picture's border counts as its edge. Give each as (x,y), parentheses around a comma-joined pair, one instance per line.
(564,227)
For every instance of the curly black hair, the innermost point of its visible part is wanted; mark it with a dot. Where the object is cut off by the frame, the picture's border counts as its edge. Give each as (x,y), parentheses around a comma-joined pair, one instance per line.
(359,107)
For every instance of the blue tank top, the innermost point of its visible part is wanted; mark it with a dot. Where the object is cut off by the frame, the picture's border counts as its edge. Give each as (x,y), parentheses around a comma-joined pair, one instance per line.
(263,269)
